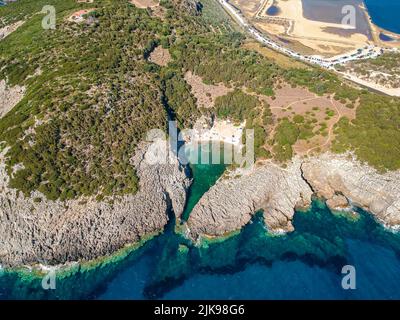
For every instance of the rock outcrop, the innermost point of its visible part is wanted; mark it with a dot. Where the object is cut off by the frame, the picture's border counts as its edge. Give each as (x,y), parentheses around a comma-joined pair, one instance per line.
(7,30)
(192,7)
(340,179)
(55,232)
(230,203)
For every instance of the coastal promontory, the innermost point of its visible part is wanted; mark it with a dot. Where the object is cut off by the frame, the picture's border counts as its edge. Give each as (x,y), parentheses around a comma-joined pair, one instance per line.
(339,179)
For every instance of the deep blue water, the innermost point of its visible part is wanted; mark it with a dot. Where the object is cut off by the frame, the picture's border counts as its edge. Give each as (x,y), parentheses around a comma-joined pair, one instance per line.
(385,13)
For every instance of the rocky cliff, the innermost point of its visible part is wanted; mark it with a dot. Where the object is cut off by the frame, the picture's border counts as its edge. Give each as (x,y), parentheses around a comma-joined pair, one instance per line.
(340,179)
(54,232)
(9,97)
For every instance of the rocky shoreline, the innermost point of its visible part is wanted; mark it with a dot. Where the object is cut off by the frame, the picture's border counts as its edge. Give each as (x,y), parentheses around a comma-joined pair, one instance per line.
(55,232)
(339,179)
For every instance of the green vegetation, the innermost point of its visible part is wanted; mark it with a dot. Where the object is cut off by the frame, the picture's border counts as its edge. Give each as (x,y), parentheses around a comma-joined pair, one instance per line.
(239,107)
(92,94)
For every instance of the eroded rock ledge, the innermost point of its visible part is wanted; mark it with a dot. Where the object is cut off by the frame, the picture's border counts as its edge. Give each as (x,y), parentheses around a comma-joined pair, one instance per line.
(55,232)
(341,180)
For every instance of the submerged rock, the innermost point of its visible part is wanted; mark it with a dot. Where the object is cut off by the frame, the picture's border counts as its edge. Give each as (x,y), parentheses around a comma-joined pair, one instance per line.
(9,97)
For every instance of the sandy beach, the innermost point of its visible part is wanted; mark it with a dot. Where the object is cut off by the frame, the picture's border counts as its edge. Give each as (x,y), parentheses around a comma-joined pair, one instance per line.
(143,4)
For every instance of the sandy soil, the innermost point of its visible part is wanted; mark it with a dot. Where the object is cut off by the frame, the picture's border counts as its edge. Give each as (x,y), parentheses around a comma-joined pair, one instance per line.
(205,94)
(160,56)
(249,8)
(371,84)
(9,97)
(299,101)
(7,30)
(222,130)
(77,16)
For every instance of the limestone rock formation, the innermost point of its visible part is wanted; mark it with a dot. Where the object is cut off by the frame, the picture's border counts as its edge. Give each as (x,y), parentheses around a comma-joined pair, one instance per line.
(7,30)
(230,204)
(55,232)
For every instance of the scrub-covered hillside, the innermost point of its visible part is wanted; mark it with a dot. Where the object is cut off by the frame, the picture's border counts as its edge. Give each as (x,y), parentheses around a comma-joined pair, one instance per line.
(91,90)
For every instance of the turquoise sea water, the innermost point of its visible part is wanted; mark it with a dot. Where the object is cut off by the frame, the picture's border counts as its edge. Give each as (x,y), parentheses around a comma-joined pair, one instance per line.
(252,264)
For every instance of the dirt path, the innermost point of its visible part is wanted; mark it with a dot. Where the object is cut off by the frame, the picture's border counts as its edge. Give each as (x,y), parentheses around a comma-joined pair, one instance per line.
(330,132)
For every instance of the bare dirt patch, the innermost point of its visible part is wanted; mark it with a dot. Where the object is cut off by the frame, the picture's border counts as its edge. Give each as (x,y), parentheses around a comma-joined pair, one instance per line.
(280,59)
(159,12)
(249,8)
(160,56)
(9,97)
(143,4)
(204,93)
